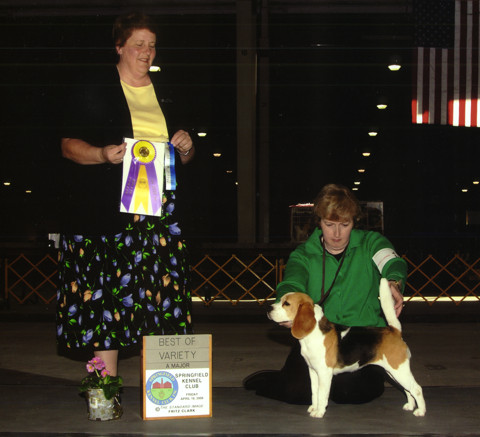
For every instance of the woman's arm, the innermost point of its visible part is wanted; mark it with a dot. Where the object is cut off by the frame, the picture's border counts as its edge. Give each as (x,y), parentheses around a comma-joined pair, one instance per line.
(296,274)
(392,267)
(81,152)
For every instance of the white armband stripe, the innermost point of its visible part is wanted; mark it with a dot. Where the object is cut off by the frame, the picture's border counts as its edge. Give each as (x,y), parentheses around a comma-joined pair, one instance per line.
(383,256)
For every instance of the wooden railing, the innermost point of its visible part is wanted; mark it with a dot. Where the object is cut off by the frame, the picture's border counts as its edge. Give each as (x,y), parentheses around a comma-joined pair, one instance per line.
(455,280)
(30,280)
(234,279)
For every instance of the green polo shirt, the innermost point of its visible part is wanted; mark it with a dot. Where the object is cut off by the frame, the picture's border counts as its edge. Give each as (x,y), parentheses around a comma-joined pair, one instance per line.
(353,300)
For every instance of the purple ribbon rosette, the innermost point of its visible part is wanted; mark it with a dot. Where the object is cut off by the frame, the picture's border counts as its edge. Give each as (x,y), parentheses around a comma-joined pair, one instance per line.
(142,182)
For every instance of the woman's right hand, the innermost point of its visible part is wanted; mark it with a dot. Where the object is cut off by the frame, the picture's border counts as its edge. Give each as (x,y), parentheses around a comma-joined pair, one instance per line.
(114,154)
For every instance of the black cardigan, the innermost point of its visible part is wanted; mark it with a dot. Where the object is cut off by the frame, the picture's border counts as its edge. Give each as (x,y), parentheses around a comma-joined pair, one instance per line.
(97,113)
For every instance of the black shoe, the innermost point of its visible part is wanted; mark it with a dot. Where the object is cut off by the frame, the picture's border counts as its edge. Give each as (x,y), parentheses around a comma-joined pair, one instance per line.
(258,379)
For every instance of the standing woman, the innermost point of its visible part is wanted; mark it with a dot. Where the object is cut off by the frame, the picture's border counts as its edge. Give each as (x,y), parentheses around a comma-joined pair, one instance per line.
(122,276)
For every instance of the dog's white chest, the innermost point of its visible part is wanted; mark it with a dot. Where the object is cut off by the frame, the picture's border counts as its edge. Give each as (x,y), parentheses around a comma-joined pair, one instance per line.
(350,368)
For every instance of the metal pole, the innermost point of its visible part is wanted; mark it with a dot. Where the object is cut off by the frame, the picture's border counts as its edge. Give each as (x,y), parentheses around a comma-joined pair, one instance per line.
(264,129)
(246,115)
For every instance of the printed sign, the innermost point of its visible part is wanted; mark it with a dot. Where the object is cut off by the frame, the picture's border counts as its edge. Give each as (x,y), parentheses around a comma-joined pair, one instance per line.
(177,376)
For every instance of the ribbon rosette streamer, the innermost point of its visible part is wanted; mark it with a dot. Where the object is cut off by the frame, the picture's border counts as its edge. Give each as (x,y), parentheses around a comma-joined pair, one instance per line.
(142,182)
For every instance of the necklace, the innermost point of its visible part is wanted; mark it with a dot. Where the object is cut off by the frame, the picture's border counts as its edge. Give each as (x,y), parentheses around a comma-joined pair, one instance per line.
(324,256)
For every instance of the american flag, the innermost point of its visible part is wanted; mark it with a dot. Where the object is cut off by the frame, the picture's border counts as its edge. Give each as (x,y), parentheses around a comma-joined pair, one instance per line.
(446,64)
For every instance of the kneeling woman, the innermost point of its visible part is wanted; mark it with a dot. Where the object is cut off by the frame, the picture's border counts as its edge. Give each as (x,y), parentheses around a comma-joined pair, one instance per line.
(340,268)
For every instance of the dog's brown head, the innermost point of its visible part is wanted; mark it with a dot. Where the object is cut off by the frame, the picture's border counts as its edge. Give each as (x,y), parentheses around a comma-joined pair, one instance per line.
(295,310)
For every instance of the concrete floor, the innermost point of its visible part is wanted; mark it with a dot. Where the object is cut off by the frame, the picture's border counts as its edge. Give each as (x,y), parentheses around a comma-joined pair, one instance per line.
(40,396)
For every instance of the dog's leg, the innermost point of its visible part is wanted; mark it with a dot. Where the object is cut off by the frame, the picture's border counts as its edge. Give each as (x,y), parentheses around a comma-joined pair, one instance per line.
(411,403)
(403,376)
(314,386)
(320,383)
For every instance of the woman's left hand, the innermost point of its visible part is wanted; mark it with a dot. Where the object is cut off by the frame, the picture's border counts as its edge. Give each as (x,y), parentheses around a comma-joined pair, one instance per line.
(182,141)
(397,297)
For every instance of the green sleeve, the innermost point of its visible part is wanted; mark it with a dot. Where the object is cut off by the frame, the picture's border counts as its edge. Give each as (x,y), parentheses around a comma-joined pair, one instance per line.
(296,273)
(389,263)
(396,270)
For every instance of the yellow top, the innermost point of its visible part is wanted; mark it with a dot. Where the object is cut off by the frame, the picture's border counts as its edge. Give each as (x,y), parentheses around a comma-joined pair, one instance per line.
(148,120)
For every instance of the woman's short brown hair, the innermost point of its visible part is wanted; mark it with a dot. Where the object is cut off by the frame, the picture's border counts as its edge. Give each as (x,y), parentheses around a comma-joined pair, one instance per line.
(336,203)
(125,25)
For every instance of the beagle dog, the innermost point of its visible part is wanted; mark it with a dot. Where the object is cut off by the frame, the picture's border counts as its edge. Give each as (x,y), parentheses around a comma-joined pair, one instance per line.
(329,350)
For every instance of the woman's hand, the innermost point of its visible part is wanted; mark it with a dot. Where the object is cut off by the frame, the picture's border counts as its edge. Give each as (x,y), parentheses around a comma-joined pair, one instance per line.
(182,141)
(397,296)
(114,154)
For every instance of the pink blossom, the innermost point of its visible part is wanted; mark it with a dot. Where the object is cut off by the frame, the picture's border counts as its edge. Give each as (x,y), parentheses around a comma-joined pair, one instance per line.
(90,368)
(104,373)
(98,363)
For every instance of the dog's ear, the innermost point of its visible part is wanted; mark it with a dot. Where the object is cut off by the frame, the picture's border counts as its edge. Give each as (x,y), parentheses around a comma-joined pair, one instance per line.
(304,321)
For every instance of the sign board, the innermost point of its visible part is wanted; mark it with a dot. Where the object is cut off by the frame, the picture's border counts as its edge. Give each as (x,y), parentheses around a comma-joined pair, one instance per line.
(302,223)
(177,376)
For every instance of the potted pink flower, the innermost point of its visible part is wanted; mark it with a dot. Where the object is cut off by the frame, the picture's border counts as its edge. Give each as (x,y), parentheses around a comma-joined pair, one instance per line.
(102,390)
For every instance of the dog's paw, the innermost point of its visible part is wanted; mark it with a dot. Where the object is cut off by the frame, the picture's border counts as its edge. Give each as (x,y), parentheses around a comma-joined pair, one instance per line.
(317,414)
(419,413)
(409,406)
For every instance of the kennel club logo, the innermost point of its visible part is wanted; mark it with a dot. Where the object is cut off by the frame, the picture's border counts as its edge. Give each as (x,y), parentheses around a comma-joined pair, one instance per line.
(162,388)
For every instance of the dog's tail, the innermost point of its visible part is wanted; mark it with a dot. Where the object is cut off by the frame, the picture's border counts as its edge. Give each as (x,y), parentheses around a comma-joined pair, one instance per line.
(388,305)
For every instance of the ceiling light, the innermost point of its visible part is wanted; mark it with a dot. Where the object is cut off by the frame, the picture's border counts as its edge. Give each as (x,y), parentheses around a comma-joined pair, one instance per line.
(464,190)
(229,171)
(202,134)
(28,191)
(356,183)
(382,101)
(366,154)
(355,189)
(361,170)
(217,154)
(394,67)
(6,184)
(395,63)
(373,133)
(476,182)
(154,68)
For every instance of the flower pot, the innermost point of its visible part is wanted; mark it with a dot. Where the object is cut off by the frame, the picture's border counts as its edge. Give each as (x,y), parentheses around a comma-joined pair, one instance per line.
(101,408)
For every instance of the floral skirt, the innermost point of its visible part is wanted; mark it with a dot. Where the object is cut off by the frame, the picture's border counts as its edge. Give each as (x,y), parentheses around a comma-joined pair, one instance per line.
(114,290)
